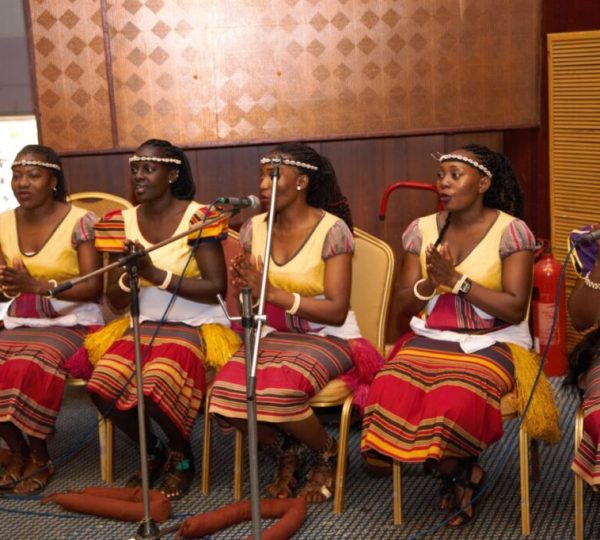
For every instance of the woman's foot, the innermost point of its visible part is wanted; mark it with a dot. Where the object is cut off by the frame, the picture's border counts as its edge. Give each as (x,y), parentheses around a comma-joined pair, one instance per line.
(286,477)
(35,477)
(13,471)
(156,459)
(179,472)
(321,479)
(465,491)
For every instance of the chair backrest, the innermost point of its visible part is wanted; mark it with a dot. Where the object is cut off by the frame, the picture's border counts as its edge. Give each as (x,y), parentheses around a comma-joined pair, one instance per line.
(98,202)
(372,275)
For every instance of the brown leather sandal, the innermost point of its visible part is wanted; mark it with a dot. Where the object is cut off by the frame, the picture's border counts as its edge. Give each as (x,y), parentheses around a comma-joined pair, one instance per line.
(35,477)
(321,479)
(286,477)
(179,472)
(155,460)
(13,472)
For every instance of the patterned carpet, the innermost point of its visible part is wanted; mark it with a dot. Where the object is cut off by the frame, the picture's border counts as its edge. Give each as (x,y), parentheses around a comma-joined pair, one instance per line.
(368,502)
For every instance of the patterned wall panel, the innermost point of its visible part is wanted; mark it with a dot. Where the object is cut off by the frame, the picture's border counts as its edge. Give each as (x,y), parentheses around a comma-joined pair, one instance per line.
(201,72)
(70,72)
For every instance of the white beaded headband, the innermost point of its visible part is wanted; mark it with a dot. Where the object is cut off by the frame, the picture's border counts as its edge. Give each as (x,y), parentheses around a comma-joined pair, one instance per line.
(156,159)
(291,162)
(35,163)
(465,159)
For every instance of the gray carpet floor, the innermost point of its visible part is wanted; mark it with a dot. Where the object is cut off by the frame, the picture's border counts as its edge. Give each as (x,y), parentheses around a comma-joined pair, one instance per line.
(368,501)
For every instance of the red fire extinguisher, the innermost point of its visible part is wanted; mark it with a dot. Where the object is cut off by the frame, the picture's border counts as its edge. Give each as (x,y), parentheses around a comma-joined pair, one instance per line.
(546,273)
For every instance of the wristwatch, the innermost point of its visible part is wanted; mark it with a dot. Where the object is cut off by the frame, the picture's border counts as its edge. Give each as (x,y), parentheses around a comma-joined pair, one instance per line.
(465,287)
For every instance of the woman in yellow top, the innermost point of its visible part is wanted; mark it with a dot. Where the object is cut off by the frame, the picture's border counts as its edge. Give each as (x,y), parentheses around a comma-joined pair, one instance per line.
(178,299)
(312,336)
(468,269)
(42,242)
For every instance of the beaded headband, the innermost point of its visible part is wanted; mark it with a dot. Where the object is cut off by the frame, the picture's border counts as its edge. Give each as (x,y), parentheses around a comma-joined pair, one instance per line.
(34,163)
(156,159)
(291,162)
(457,157)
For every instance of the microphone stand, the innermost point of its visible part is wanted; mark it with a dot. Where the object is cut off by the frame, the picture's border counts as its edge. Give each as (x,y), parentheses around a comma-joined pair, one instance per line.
(147,528)
(252,325)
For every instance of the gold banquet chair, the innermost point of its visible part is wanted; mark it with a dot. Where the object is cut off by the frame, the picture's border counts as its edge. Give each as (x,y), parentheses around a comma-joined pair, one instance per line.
(509,411)
(372,274)
(579,483)
(100,203)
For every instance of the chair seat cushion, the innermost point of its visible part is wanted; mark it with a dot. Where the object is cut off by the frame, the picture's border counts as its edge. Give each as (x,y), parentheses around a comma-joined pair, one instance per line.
(335,392)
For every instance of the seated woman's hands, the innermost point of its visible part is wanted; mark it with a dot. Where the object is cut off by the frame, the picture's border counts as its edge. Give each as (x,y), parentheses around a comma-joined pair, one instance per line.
(246,271)
(440,267)
(145,267)
(16,280)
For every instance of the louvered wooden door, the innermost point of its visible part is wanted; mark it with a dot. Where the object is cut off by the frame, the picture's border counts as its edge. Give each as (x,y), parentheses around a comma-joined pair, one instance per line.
(574,112)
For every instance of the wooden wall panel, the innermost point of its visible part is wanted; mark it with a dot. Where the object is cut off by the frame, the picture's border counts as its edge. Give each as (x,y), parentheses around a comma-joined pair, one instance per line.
(233,72)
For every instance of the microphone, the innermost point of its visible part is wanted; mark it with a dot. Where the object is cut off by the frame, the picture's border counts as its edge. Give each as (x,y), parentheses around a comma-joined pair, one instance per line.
(251,201)
(588,238)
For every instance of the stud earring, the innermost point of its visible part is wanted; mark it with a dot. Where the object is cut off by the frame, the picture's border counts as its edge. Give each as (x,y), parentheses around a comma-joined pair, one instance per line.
(298,188)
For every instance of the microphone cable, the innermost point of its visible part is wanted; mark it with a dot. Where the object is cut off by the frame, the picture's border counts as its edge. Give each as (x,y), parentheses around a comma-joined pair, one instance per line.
(504,456)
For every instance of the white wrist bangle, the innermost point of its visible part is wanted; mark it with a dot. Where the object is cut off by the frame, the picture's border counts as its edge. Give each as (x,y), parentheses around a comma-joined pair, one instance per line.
(296,305)
(418,294)
(9,295)
(458,284)
(591,284)
(53,285)
(241,299)
(121,283)
(163,286)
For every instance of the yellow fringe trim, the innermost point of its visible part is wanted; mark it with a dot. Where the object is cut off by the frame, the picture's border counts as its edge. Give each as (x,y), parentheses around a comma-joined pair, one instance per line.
(221,343)
(541,421)
(98,342)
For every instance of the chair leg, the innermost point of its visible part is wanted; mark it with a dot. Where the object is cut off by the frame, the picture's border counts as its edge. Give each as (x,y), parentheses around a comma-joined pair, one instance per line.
(524,472)
(397,482)
(105,435)
(238,466)
(578,491)
(340,473)
(206,447)
(535,460)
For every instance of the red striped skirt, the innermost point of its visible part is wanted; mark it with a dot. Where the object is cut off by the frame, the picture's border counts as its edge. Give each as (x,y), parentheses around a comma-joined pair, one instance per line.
(587,457)
(432,400)
(291,369)
(173,372)
(32,377)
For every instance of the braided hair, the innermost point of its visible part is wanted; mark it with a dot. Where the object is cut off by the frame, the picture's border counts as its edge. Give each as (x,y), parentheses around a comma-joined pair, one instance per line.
(323,188)
(183,188)
(504,192)
(50,156)
(585,353)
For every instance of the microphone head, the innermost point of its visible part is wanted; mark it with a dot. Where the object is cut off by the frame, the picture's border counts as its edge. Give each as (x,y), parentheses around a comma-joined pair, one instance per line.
(254,202)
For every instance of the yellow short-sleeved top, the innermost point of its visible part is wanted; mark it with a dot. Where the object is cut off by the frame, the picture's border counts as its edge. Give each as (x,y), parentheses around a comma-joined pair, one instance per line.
(305,272)
(57,259)
(115,227)
(483,265)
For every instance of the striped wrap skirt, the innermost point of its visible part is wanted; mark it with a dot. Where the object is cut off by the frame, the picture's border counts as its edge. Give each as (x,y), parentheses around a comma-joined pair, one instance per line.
(291,369)
(172,368)
(587,457)
(32,375)
(432,401)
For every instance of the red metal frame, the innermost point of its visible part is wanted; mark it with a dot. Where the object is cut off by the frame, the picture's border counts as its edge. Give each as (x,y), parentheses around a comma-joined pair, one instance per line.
(405,184)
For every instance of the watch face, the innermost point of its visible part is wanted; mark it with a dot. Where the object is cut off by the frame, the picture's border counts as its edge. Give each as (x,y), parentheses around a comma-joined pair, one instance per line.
(465,287)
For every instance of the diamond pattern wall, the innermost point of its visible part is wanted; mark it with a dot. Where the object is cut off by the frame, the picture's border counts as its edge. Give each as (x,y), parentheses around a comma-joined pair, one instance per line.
(201,72)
